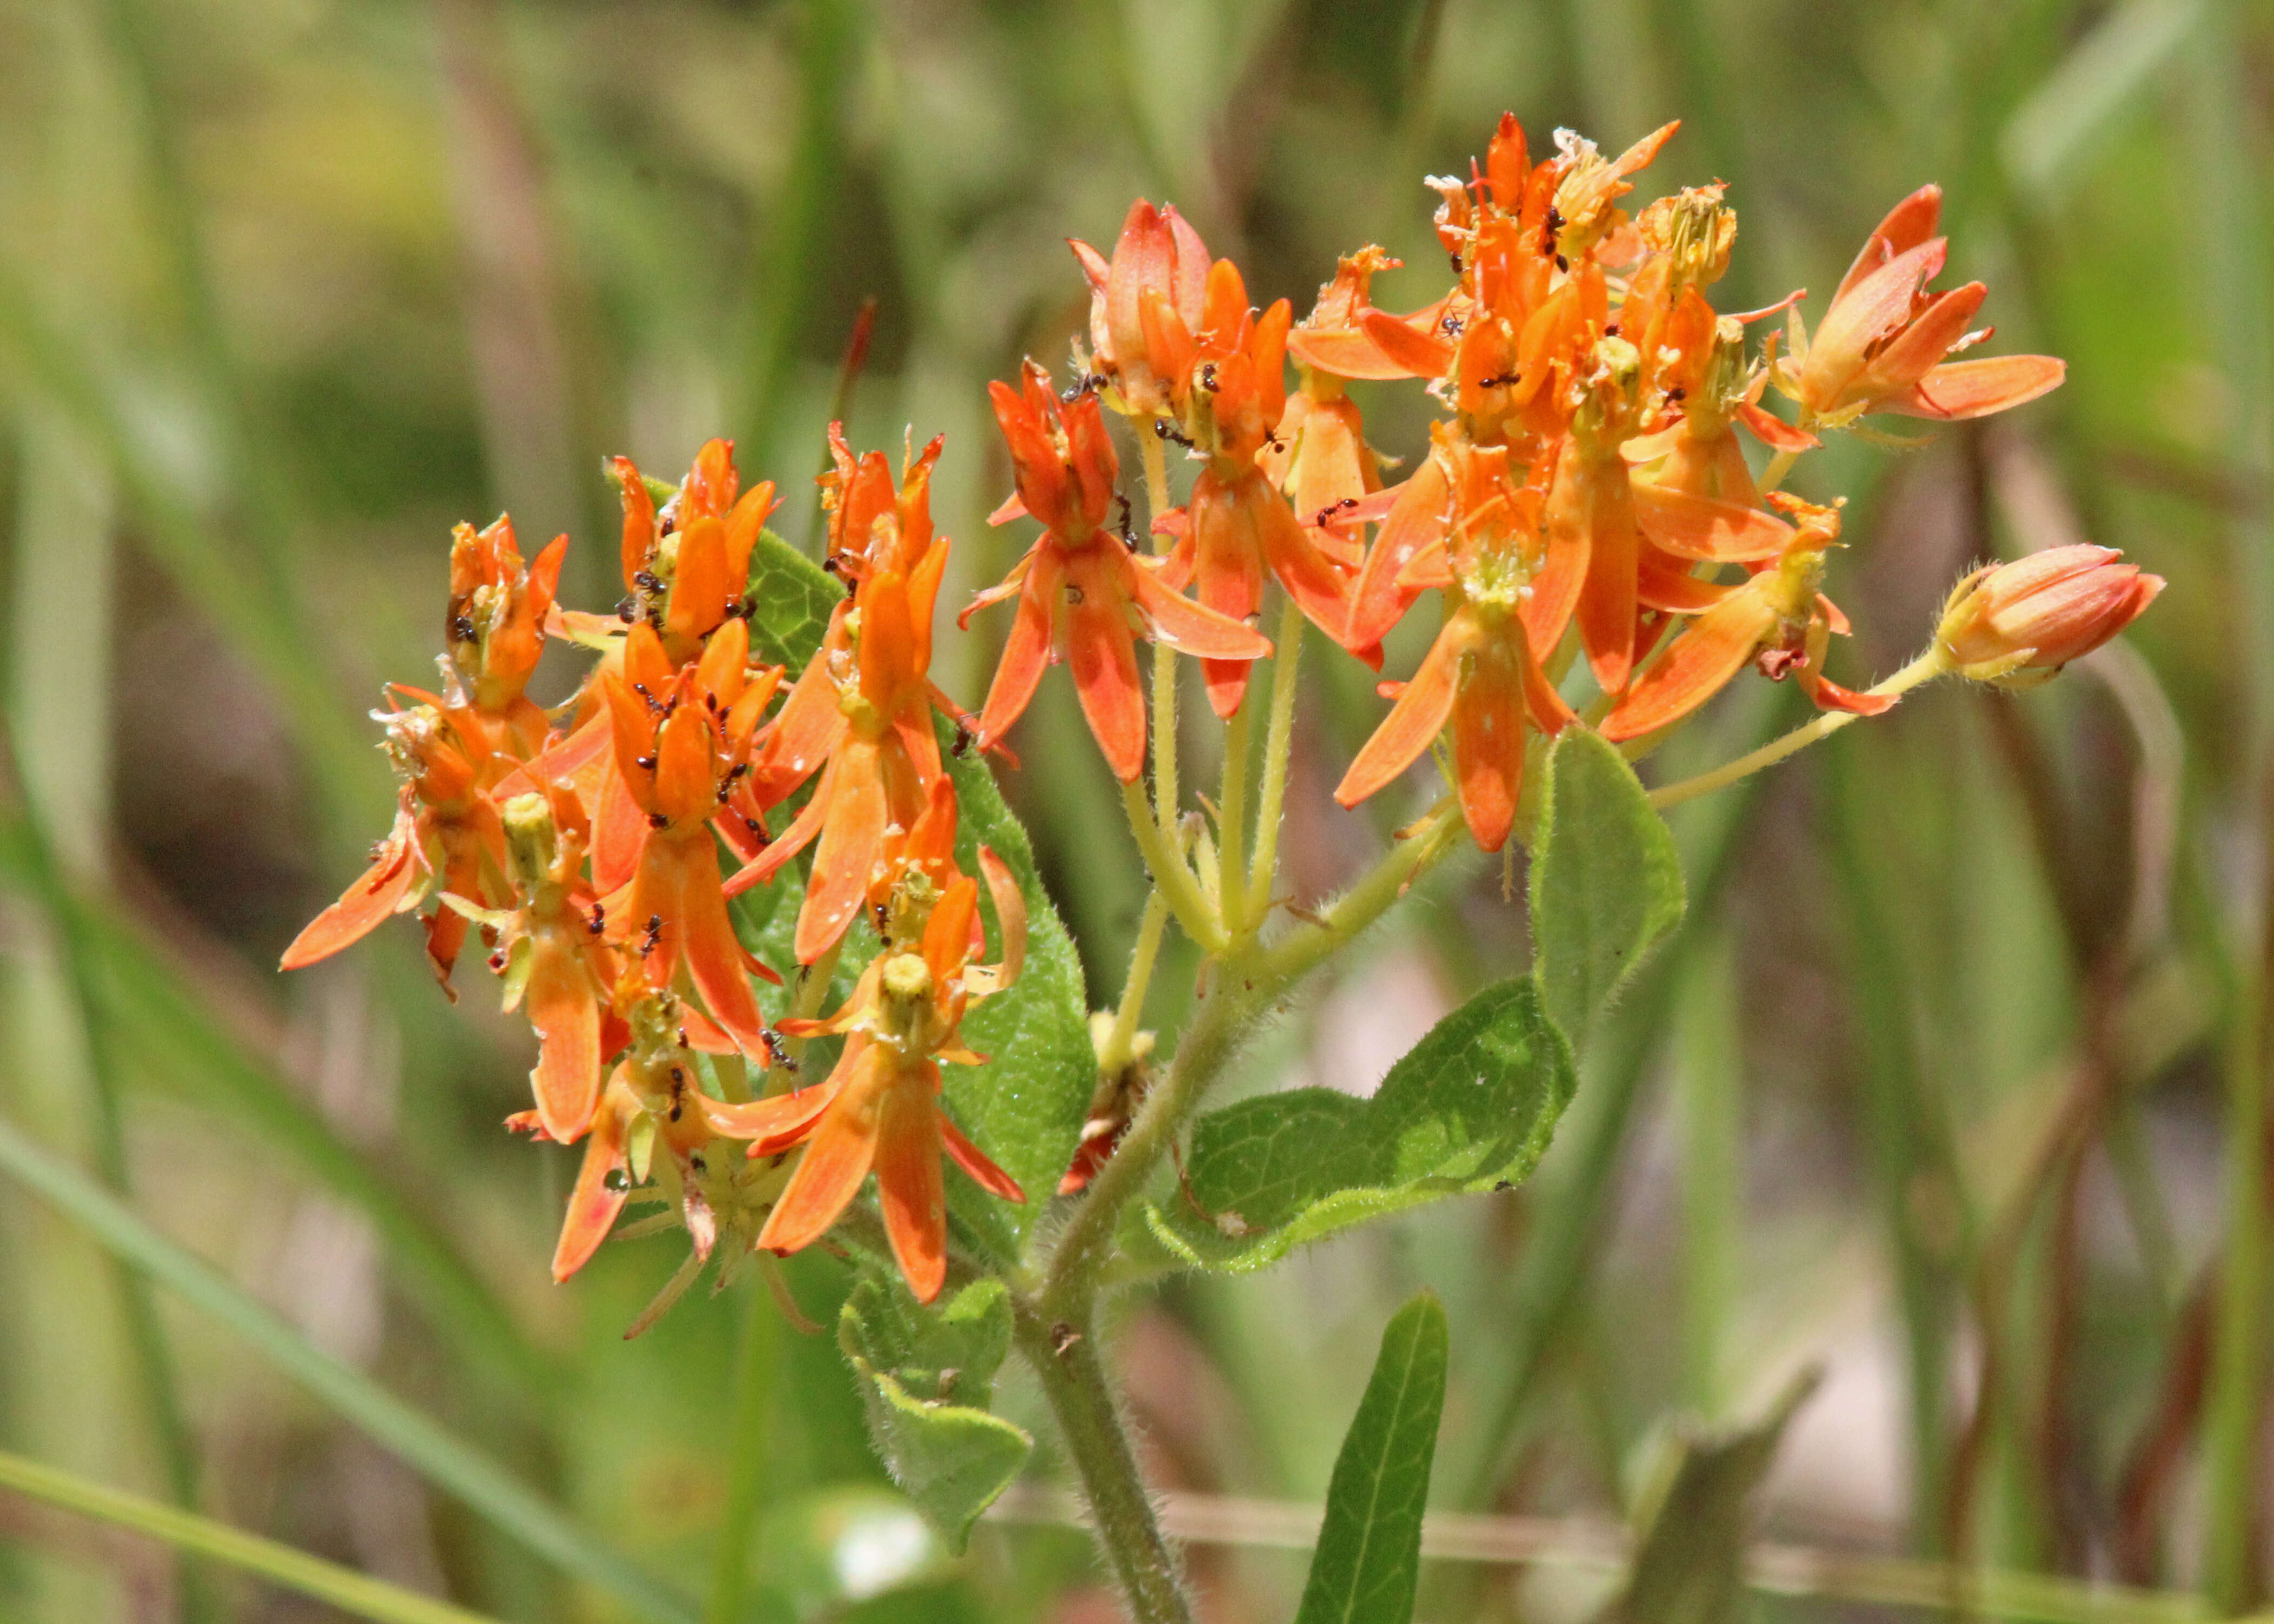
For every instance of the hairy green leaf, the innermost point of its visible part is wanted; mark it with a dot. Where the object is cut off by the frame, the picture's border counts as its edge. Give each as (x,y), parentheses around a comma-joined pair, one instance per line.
(927,1376)
(1690,1561)
(1368,1561)
(1606,884)
(1470,1108)
(1024,1108)
(790,600)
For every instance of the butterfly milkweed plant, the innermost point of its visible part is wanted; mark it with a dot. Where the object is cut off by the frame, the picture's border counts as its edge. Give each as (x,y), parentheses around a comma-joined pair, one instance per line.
(793,977)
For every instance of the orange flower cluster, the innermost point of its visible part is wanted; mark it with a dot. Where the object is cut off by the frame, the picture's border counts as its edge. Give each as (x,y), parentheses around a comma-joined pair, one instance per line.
(585,849)
(1586,495)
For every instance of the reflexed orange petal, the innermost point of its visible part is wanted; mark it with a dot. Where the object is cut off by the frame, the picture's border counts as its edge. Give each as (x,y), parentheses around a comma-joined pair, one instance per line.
(1707,528)
(911,1188)
(1415,354)
(1695,667)
(1417,517)
(1026,651)
(592,1204)
(1663,583)
(852,840)
(714,954)
(1010,914)
(639,518)
(1412,723)
(1606,611)
(1774,432)
(837,1157)
(1926,338)
(947,933)
(1172,619)
(791,841)
(382,889)
(1906,225)
(565,1009)
(1957,390)
(1489,750)
(1102,652)
(975,1162)
(777,1123)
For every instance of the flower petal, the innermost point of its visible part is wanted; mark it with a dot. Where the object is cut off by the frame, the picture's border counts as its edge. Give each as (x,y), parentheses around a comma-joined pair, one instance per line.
(1412,723)
(911,1187)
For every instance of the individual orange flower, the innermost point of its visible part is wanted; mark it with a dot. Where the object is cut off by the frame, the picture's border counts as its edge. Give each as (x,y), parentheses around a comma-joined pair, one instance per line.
(1882,344)
(1318,454)
(554,959)
(1481,673)
(1229,390)
(496,625)
(680,739)
(2023,621)
(863,704)
(879,1107)
(446,832)
(1778,619)
(1160,253)
(652,1120)
(686,566)
(1083,595)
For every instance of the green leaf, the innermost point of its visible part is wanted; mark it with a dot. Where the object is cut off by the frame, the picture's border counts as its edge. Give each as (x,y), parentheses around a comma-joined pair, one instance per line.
(927,1377)
(424,1444)
(1470,1108)
(1369,1556)
(791,597)
(1024,1108)
(1606,884)
(1690,1559)
(343,1588)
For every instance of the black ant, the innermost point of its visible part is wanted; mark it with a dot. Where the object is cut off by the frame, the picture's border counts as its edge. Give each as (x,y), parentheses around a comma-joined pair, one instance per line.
(1611,330)
(758,829)
(647,581)
(779,1051)
(1164,429)
(600,918)
(1552,228)
(1676,395)
(1128,530)
(1503,380)
(1452,326)
(658,820)
(628,610)
(462,628)
(883,923)
(1331,509)
(1454,254)
(652,937)
(1207,377)
(963,740)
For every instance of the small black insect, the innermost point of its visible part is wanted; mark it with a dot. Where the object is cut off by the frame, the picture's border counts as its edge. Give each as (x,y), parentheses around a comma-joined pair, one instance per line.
(963,738)
(1563,263)
(1332,508)
(462,628)
(652,937)
(779,1050)
(647,581)
(1207,377)
(1454,254)
(628,610)
(600,918)
(658,820)
(1611,330)
(756,829)
(1128,530)
(1503,380)
(1452,326)
(1553,225)
(1676,395)
(1165,430)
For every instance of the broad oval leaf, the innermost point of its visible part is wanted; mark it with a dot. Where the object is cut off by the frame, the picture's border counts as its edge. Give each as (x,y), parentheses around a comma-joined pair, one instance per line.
(1368,1560)
(1470,1108)
(790,600)
(1606,884)
(926,1377)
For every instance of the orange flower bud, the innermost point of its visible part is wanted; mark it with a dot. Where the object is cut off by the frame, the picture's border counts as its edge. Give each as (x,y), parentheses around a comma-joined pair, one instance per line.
(2021,623)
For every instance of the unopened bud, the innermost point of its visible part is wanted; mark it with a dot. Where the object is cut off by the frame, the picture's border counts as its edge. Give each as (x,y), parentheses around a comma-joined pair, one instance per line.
(2021,623)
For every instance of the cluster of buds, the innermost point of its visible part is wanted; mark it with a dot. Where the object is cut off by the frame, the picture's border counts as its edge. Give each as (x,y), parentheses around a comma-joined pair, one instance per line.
(1586,510)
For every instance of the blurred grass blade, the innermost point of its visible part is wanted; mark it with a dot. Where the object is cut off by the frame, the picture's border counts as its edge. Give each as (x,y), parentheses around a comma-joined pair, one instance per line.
(174,1024)
(281,1565)
(424,1443)
(2051,134)
(1368,1561)
(1690,1568)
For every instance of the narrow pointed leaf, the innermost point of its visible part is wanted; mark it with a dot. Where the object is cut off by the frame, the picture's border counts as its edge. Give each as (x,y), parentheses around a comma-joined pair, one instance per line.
(1368,1560)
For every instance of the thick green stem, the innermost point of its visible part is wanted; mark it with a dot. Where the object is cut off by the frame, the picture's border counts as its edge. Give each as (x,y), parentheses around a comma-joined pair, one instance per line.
(1064,1353)
(1925,668)
(1278,739)
(1164,658)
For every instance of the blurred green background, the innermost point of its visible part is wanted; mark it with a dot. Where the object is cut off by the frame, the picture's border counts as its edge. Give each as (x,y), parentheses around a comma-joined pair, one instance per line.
(1953,1081)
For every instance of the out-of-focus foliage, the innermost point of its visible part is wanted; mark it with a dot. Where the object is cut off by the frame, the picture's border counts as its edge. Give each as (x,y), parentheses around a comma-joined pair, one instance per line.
(1928,1088)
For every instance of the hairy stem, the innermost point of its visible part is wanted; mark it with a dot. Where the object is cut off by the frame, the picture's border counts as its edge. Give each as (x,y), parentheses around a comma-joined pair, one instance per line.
(1064,1354)
(1278,739)
(1925,668)
(1115,1053)
(1172,877)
